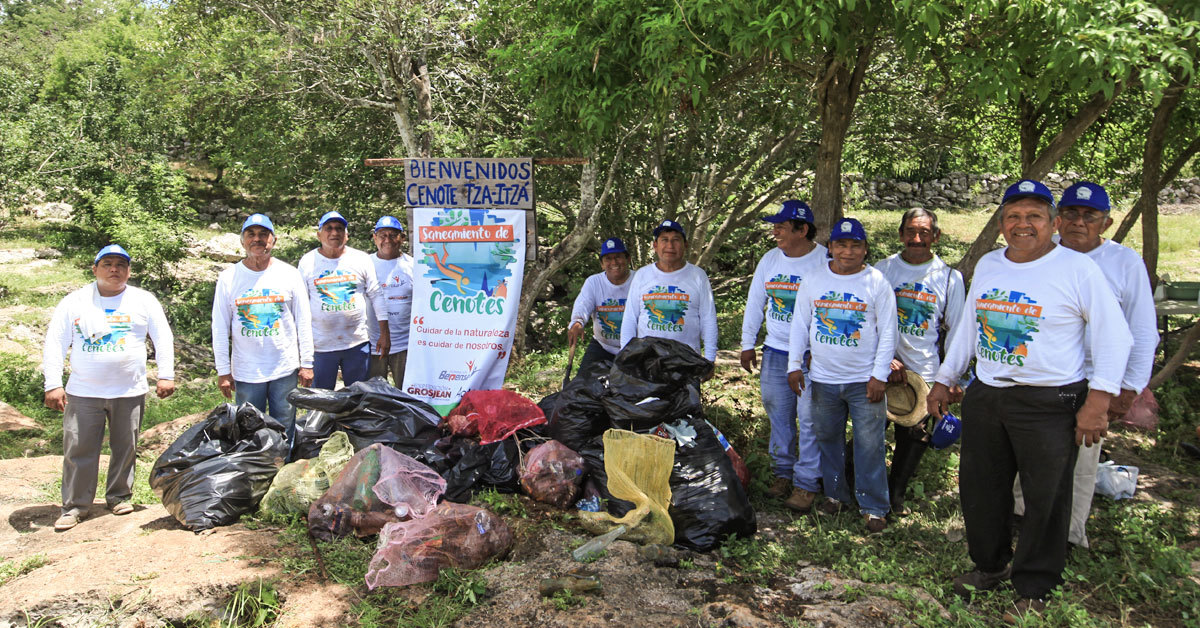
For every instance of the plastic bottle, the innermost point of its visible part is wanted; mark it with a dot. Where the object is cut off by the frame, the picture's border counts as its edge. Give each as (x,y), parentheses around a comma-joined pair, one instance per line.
(592,549)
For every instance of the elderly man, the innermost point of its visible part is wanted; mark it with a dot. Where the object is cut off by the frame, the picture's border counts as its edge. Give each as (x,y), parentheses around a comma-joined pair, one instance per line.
(1083,210)
(671,298)
(262,304)
(929,302)
(339,280)
(602,299)
(846,317)
(394,269)
(772,296)
(104,327)
(1038,310)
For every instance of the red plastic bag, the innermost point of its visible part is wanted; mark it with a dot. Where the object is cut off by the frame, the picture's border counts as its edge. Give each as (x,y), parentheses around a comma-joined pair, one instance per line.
(1143,413)
(453,535)
(552,473)
(494,415)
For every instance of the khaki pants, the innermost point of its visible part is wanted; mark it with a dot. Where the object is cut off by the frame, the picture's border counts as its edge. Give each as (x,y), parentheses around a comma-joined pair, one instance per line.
(394,363)
(1083,488)
(83,433)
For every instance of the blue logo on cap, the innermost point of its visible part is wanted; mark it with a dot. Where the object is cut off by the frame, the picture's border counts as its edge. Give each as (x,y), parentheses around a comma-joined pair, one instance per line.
(333,215)
(388,222)
(848,229)
(1085,194)
(258,220)
(112,249)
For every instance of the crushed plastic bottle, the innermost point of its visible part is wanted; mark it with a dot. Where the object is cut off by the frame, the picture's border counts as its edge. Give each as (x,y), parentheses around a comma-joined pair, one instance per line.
(589,504)
(593,548)
(573,583)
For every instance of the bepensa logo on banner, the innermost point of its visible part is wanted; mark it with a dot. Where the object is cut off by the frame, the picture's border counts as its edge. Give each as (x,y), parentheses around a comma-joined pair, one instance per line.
(467,276)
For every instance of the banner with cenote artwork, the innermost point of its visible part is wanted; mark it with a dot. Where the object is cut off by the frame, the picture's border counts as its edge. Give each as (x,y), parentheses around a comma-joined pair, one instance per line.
(467,272)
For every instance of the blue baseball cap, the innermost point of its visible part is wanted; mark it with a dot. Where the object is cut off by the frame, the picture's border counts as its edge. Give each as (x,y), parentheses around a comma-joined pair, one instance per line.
(848,229)
(112,249)
(258,220)
(1028,188)
(388,222)
(612,245)
(946,432)
(1085,194)
(670,225)
(333,215)
(791,210)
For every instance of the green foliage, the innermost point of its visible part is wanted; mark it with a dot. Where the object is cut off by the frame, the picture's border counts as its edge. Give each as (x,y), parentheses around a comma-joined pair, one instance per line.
(253,605)
(12,569)
(499,503)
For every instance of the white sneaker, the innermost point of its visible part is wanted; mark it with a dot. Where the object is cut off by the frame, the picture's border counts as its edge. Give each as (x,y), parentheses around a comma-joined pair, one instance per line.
(67,521)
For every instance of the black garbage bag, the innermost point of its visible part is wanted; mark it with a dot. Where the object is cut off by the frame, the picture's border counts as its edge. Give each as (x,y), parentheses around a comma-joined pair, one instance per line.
(662,361)
(639,405)
(579,414)
(468,466)
(220,468)
(596,483)
(369,412)
(708,502)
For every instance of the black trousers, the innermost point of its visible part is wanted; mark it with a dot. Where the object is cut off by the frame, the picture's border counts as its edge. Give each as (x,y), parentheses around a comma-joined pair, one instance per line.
(595,353)
(1026,430)
(906,457)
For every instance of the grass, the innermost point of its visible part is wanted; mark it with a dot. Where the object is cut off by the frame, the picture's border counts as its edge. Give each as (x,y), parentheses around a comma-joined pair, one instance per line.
(13,569)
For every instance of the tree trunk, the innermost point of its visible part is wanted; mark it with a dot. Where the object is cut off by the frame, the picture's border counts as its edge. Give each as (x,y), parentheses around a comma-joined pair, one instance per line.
(837,93)
(1071,131)
(1168,176)
(423,91)
(1151,174)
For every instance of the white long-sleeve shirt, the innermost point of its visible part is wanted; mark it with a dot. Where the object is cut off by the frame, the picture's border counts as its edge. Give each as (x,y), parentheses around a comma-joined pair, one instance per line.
(1126,275)
(112,366)
(266,313)
(772,295)
(603,302)
(926,295)
(848,322)
(337,293)
(677,305)
(1033,320)
(395,279)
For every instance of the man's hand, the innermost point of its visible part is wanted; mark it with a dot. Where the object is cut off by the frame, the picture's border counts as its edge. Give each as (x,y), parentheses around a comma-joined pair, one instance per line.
(1120,404)
(56,399)
(937,402)
(225,383)
(304,377)
(1091,422)
(956,393)
(165,388)
(875,390)
(749,360)
(897,374)
(385,341)
(796,381)
(574,333)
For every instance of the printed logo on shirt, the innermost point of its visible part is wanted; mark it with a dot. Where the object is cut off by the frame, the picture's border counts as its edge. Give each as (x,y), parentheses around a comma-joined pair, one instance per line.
(665,306)
(610,313)
(781,296)
(120,326)
(916,305)
(337,289)
(465,256)
(839,317)
(260,311)
(1007,321)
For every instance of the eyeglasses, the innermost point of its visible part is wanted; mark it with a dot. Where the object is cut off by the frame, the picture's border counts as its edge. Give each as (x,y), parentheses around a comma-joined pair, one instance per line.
(1071,215)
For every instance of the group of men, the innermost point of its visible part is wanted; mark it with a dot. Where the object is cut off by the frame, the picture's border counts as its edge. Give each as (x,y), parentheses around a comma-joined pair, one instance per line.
(274,326)
(1060,324)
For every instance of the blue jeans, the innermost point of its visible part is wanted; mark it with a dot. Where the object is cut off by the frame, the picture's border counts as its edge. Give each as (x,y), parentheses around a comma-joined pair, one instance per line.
(832,403)
(793,445)
(271,398)
(354,362)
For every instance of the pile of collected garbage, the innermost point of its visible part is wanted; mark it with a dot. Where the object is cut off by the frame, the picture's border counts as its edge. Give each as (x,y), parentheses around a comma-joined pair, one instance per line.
(371,460)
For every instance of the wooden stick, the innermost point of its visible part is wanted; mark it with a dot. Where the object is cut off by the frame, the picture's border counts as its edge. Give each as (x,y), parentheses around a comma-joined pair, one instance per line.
(320,562)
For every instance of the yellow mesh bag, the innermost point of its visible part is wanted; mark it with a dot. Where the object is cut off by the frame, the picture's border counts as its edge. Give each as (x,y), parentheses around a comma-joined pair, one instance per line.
(299,484)
(639,471)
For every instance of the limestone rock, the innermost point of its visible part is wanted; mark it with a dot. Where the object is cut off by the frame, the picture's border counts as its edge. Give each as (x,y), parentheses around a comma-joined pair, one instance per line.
(11,420)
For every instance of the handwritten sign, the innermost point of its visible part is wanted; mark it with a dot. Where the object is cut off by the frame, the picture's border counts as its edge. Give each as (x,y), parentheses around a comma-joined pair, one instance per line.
(469,183)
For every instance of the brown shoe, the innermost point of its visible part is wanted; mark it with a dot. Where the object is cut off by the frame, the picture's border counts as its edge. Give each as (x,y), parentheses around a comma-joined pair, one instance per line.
(875,523)
(800,500)
(779,487)
(1023,608)
(977,580)
(832,507)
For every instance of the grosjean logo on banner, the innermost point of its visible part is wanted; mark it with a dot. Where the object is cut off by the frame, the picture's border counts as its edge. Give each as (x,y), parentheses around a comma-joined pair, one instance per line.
(429,391)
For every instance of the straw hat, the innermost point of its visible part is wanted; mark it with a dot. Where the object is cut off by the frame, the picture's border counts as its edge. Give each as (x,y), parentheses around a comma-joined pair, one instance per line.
(906,400)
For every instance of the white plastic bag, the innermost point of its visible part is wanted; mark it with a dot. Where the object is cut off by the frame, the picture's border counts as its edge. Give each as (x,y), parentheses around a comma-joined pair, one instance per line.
(1116,481)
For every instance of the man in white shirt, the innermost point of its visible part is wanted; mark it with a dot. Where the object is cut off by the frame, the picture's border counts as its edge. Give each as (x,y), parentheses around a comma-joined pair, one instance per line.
(104,327)
(262,305)
(672,298)
(394,269)
(1083,210)
(846,316)
(772,297)
(1037,308)
(929,302)
(602,299)
(339,280)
